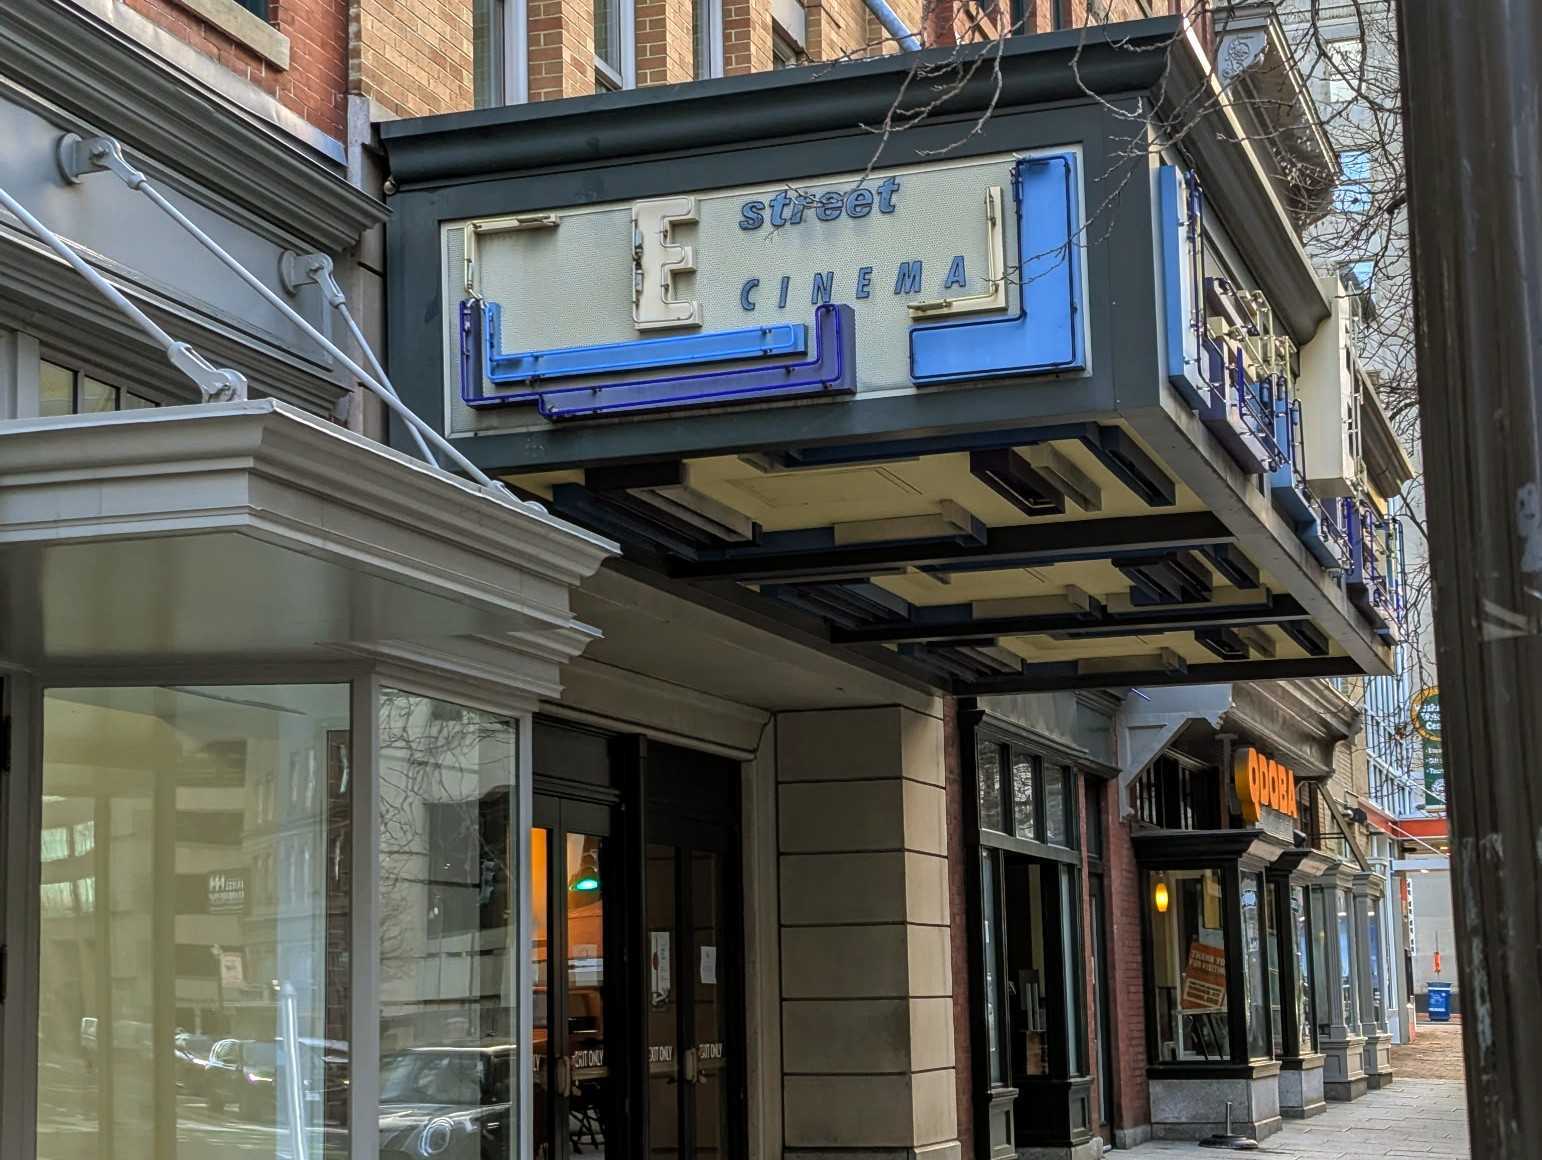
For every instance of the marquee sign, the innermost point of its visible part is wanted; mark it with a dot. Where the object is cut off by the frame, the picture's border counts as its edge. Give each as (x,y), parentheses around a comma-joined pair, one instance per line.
(960,271)
(1263,783)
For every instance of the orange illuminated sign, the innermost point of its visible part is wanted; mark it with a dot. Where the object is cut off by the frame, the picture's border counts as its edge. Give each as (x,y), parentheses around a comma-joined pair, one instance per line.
(1262,782)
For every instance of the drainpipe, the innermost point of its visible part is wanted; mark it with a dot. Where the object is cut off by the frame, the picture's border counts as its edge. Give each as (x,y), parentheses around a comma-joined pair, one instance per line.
(894,26)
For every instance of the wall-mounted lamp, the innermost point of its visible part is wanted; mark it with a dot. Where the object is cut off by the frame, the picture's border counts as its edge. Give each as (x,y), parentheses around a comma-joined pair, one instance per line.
(1159,896)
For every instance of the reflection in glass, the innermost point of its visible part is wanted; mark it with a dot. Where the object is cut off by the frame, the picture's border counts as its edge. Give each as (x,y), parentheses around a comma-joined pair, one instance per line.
(1189,965)
(1024,823)
(1056,824)
(55,389)
(711,1128)
(1304,968)
(194,991)
(1346,958)
(448,928)
(989,950)
(1272,957)
(1253,965)
(987,768)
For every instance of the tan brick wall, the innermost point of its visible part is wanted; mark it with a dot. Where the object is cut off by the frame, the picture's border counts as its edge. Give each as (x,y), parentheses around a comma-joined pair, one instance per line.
(315,85)
(561,49)
(664,48)
(413,57)
(747,36)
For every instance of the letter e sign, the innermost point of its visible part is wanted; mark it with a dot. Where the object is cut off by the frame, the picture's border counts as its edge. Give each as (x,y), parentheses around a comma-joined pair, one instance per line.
(656,259)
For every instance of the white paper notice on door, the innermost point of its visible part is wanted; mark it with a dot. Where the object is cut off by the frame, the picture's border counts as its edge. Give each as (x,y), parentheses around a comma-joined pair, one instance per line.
(658,954)
(709,965)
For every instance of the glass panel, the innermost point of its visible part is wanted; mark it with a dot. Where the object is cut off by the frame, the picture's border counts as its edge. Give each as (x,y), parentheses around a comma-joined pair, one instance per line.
(1303,945)
(540,991)
(1253,965)
(486,52)
(1056,826)
(701,37)
(1346,958)
(1272,958)
(712,1136)
(1029,981)
(96,396)
(449,934)
(56,389)
(663,1013)
(987,767)
(1324,1000)
(589,1099)
(133,402)
(1024,824)
(1070,1000)
(607,32)
(1189,964)
(1377,992)
(988,950)
(201,1008)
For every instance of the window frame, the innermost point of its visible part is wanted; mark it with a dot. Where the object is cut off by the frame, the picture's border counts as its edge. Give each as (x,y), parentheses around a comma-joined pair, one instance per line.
(707,23)
(608,77)
(79,372)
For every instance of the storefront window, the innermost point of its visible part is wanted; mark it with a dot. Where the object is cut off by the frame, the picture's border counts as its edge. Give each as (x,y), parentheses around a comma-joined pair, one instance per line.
(448,893)
(989,948)
(1346,928)
(1303,943)
(194,988)
(987,772)
(1377,985)
(1253,965)
(1325,979)
(1272,959)
(1189,964)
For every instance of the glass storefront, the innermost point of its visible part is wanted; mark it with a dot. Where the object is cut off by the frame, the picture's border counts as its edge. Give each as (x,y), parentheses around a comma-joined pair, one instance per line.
(1378,984)
(1254,953)
(1346,936)
(1302,928)
(195,922)
(1188,943)
(198,902)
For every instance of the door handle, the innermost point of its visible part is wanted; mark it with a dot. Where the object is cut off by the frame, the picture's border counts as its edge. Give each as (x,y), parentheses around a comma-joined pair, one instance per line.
(692,1068)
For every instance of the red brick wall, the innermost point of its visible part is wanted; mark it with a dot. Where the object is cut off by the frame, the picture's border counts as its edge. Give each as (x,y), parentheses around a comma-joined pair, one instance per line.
(958,924)
(315,85)
(1127,986)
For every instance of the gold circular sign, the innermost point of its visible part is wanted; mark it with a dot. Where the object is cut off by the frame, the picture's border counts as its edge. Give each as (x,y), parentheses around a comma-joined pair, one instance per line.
(1425,712)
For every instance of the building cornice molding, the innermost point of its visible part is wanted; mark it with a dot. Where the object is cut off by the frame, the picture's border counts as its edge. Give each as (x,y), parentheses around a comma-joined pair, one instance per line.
(74,57)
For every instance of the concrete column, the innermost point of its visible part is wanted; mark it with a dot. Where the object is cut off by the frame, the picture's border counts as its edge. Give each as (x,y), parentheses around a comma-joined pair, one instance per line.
(1378,1043)
(867,1014)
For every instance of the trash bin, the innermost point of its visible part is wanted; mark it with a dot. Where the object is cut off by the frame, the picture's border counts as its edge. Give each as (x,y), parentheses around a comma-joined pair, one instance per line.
(1440,1002)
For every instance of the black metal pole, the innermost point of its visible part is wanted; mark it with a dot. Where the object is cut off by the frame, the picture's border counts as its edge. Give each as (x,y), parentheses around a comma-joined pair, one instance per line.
(1472,85)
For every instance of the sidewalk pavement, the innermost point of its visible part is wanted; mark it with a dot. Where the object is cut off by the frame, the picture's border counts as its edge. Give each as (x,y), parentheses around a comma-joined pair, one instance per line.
(1410,1119)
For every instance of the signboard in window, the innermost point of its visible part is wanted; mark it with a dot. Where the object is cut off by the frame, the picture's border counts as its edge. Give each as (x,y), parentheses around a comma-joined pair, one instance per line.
(1204,978)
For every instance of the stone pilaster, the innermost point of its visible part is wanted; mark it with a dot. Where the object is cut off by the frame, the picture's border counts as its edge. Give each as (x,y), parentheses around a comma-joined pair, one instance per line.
(867,1013)
(1368,891)
(1343,1047)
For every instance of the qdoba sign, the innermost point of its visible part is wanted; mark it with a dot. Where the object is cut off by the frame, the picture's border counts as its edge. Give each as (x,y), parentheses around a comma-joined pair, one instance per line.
(957,271)
(1263,783)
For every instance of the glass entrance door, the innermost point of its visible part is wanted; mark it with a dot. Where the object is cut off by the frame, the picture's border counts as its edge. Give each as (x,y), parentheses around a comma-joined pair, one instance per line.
(574,1106)
(693,972)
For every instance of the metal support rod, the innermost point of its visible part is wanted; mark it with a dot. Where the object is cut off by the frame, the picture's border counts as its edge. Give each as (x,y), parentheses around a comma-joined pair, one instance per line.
(1472,95)
(103,153)
(212,382)
(894,26)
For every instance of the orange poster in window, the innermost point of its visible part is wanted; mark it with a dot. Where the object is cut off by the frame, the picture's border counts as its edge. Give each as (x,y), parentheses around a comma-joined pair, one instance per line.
(1204,978)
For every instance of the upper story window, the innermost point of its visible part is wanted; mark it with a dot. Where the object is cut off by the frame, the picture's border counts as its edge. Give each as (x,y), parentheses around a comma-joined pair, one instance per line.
(1175,795)
(1024,795)
(707,38)
(1344,63)
(614,46)
(65,391)
(1353,194)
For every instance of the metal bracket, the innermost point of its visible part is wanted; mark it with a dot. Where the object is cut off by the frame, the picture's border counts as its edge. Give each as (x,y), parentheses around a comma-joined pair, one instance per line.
(77,156)
(296,270)
(218,385)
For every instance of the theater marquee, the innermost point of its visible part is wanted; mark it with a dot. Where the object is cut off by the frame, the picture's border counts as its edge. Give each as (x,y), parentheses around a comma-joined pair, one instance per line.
(970,270)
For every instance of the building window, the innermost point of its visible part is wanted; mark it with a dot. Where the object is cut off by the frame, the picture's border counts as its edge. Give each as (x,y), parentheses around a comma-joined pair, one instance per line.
(614,45)
(1254,955)
(707,38)
(258,8)
(1343,62)
(1188,944)
(487,23)
(784,53)
(1176,794)
(1302,941)
(1353,195)
(63,390)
